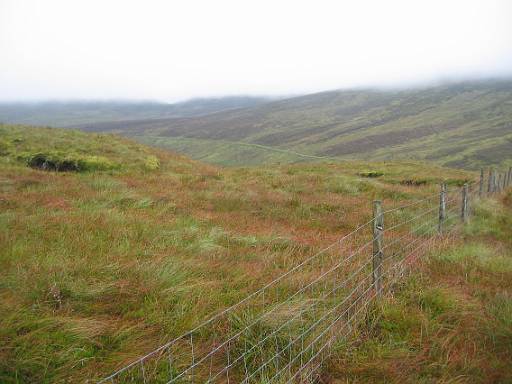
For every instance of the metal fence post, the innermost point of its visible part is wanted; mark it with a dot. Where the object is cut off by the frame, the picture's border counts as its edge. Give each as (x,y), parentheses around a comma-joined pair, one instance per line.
(378,227)
(465,195)
(442,208)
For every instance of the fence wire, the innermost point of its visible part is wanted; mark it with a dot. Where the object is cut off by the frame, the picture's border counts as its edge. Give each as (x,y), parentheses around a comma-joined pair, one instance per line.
(283,332)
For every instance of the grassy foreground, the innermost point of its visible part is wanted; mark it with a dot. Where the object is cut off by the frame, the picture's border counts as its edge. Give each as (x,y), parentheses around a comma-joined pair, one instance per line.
(100,266)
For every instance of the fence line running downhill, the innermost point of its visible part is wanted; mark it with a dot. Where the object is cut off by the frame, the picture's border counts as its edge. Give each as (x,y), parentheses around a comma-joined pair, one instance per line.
(283,332)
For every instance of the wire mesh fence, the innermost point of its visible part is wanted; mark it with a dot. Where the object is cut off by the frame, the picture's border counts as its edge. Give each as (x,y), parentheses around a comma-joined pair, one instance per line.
(282,333)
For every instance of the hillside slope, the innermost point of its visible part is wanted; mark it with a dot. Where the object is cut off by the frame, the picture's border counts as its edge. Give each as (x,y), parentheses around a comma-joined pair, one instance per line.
(101,265)
(465,125)
(65,114)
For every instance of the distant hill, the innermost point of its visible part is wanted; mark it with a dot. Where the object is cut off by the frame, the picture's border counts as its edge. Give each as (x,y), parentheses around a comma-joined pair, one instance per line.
(72,113)
(464,125)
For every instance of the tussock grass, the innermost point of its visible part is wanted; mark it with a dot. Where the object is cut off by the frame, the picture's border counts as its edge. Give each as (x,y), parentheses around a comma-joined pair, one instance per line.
(101,267)
(449,321)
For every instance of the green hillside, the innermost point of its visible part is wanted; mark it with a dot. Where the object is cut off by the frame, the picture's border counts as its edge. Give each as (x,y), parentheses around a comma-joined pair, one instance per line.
(465,125)
(64,149)
(102,264)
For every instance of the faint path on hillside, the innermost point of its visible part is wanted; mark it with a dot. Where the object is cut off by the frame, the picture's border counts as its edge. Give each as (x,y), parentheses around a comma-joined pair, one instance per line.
(268,148)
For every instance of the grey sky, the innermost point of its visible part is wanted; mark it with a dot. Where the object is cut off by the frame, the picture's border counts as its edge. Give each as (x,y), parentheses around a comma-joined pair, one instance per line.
(172,50)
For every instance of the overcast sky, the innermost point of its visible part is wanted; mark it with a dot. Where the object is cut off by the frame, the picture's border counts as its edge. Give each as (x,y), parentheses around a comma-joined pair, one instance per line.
(172,50)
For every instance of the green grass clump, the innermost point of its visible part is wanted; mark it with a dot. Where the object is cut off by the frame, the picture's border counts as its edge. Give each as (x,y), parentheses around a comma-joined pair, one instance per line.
(62,162)
(152,163)
(371,174)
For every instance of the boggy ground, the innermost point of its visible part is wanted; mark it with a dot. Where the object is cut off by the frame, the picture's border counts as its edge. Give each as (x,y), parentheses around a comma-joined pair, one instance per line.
(103,265)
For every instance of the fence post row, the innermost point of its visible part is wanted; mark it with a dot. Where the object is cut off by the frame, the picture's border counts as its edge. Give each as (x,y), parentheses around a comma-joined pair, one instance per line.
(442,207)
(378,255)
(496,182)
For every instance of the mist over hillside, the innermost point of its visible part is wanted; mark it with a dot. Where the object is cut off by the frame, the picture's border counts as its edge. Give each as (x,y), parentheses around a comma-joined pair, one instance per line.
(71,113)
(466,124)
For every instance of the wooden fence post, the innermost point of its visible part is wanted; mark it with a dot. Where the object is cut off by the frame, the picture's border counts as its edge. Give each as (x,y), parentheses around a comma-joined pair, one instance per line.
(442,207)
(465,195)
(489,181)
(378,255)
(493,187)
(498,183)
(509,178)
(481,186)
